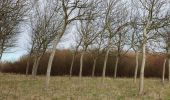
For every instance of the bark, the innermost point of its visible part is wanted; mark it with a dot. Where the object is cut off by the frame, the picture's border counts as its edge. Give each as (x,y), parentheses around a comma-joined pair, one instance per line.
(163,71)
(37,64)
(28,65)
(169,68)
(105,59)
(81,64)
(136,67)
(34,65)
(105,63)
(168,53)
(55,43)
(116,65)
(0,56)
(94,67)
(141,83)
(72,64)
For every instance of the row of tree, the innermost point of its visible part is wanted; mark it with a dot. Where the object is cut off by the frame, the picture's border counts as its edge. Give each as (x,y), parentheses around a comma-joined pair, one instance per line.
(100,25)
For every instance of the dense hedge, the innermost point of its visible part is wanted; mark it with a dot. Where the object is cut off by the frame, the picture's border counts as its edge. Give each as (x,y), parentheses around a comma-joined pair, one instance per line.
(62,62)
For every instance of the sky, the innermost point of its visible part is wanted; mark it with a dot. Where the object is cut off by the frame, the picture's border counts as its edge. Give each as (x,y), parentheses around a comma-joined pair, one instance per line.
(22,44)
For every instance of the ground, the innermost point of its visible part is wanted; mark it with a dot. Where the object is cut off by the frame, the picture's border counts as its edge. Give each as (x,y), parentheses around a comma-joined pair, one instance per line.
(20,87)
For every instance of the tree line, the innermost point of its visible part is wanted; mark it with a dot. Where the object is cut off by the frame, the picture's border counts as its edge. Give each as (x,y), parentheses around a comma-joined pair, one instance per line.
(100,25)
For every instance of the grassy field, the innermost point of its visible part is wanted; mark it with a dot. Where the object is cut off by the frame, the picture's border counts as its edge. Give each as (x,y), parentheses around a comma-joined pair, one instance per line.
(19,87)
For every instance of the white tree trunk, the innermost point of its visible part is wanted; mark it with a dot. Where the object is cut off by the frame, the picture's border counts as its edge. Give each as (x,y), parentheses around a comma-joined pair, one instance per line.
(105,63)
(141,83)
(116,65)
(136,66)
(72,64)
(81,64)
(94,67)
(55,43)
(105,60)
(163,71)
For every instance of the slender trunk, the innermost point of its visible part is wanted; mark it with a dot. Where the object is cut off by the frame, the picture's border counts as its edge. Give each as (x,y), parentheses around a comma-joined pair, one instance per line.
(81,64)
(0,56)
(94,67)
(37,64)
(163,71)
(141,83)
(105,63)
(28,65)
(136,67)
(105,59)
(34,65)
(50,63)
(116,65)
(0,61)
(72,64)
(169,66)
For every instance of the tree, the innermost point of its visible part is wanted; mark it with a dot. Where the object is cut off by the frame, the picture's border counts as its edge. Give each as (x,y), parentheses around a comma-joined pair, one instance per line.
(78,43)
(97,49)
(135,39)
(71,10)
(44,29)
(114,24)
(151,18)
(12,13)
(88,33)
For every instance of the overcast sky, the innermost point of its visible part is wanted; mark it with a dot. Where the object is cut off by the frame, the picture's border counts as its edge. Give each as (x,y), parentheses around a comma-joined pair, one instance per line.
(22,45)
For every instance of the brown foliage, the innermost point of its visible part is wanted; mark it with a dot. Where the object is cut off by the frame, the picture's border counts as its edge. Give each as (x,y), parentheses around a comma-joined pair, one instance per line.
(62,62)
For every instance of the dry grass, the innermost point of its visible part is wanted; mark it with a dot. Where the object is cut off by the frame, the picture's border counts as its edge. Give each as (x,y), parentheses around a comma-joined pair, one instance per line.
(19,87)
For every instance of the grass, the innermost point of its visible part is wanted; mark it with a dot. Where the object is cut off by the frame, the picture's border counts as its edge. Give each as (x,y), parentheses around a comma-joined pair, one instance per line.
(19,87)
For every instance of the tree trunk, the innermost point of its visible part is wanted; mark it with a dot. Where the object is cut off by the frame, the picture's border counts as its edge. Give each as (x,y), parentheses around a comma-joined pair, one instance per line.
(50,62)
(28,65)
(0,56)
(105,63)
(34,65)
(72,64)
(136,67)
(116,65)
(141,83)
(94,67)
(37,64)
(169,65)
(105,59)
(81,64)
(163,71)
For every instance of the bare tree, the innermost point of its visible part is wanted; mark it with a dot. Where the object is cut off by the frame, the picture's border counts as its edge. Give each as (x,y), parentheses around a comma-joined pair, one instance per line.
(151,17)
(78,43)
(114,23)
(44,29)
(71,10)
(87,33)
(12,13)
(96,50)
(164,39)
(135,39)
